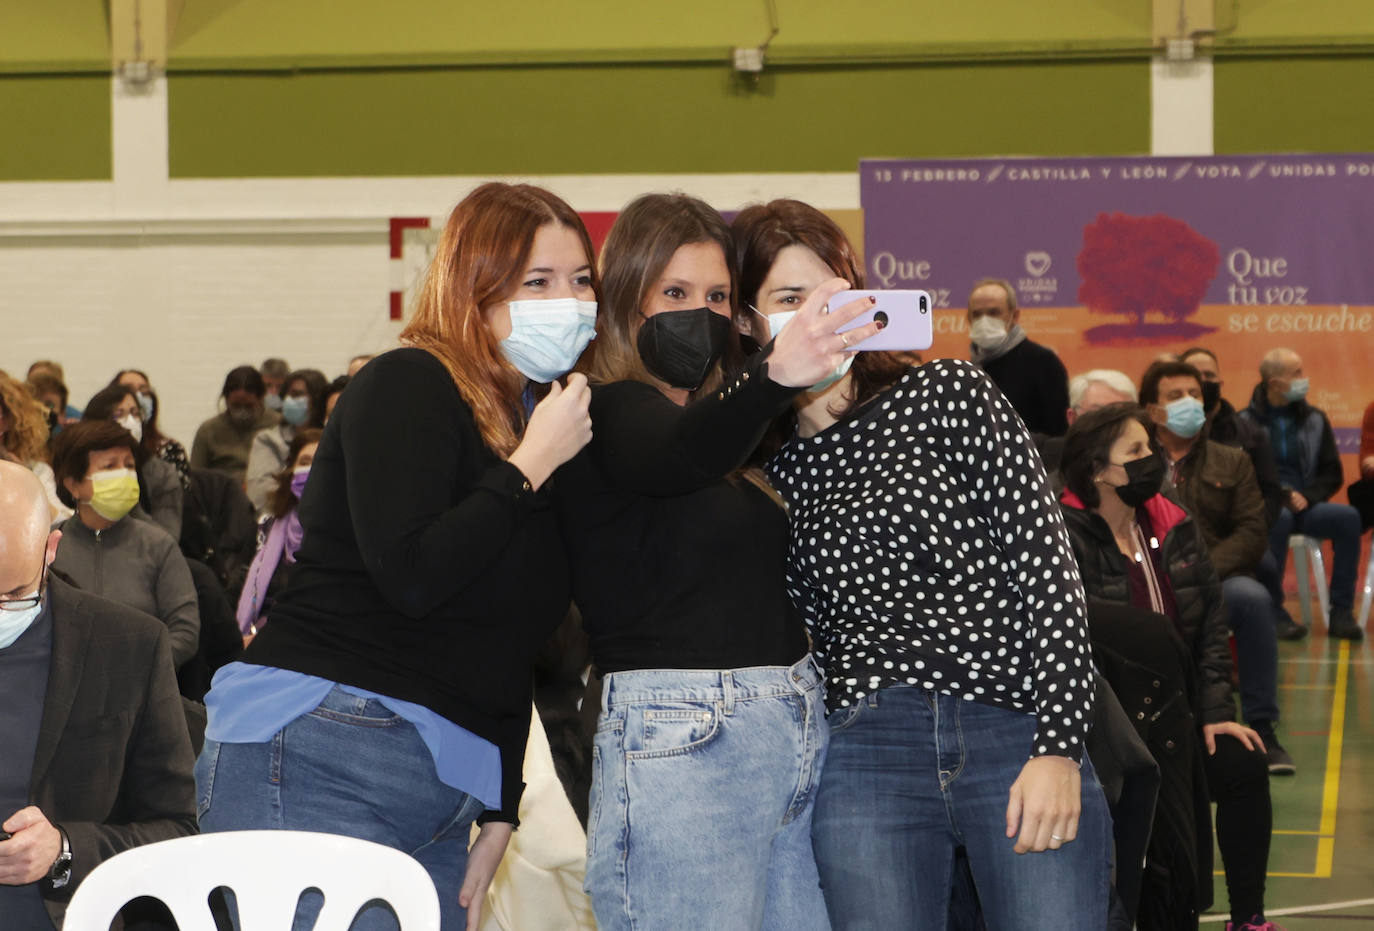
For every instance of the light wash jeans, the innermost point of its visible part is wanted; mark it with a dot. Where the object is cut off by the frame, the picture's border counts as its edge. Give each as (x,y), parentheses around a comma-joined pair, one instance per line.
(910,776)
(352,767)
(702,791)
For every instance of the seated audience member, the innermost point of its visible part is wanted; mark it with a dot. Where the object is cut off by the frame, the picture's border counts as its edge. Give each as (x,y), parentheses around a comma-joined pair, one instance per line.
(48,367)
(24,438)
(1310,472)
(332,393)
(279,535)
(1030,375)
(160,496)
(1217,485)
(302,407)
(154,442)
(355,364)
(273,372)
(1226,426)
(106,551)
(96,755)
(1361,493)
(49,391)
(1087,392)
(224,441)
(1167,658)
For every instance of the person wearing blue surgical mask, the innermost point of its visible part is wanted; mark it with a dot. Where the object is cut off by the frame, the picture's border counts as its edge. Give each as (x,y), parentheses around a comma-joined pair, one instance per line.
(1311,473)
(1218,486)
(302,407)
(154,441)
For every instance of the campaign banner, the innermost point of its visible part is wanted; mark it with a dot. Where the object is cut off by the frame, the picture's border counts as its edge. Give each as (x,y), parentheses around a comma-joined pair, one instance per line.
(1117,260)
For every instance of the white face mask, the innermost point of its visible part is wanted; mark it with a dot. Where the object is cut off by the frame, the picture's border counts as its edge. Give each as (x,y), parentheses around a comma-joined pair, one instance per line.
(547,336)
(775,324)
(131,423)
(14,623)
(987,332)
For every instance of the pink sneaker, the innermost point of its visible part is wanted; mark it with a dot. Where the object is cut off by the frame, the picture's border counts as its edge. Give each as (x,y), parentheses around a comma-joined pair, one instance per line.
(1257,923)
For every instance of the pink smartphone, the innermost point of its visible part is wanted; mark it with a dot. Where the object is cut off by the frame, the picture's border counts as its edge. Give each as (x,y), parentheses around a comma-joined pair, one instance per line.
(906,318)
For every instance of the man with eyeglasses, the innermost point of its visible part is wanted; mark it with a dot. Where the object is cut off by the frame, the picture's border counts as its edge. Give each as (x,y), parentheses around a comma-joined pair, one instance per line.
(95,756)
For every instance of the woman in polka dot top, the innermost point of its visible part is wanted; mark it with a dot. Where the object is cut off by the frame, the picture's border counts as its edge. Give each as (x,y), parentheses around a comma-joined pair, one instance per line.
(930,560)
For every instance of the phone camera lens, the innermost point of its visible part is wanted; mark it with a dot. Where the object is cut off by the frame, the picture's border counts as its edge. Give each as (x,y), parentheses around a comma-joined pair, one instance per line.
(881,318)
(925,304)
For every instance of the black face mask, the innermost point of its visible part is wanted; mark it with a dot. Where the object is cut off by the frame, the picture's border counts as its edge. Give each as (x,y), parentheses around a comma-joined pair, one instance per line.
(680,346)
(1143,478)
(1211,395)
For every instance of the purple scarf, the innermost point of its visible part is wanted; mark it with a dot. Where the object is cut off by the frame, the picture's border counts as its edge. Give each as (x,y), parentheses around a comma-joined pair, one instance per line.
(283,540)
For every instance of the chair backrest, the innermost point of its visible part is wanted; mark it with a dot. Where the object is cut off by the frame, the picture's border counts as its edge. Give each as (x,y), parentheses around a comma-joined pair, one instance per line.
(267,871)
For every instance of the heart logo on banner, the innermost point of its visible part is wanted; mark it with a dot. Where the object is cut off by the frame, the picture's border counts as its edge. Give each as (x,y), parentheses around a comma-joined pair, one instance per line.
(1037,263)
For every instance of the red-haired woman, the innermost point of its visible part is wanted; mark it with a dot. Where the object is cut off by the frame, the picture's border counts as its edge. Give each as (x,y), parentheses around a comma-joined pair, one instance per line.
(388,697)
(711,734)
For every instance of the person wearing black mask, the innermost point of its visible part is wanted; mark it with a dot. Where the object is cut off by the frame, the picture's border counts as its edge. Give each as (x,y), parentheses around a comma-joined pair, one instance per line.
(1137,547)
(712,729)
(223,442)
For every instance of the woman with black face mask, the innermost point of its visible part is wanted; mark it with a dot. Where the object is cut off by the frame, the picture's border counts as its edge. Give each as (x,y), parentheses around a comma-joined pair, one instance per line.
(224,441)
(1163,646)
(711,733)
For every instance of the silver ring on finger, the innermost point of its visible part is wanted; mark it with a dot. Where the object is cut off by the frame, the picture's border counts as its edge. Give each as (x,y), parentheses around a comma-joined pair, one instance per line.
(844,339)
(1056,837)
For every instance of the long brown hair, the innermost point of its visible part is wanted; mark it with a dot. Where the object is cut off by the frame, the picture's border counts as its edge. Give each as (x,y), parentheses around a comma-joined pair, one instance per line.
(481,255)
(25,435)
(638,248)
(762,231)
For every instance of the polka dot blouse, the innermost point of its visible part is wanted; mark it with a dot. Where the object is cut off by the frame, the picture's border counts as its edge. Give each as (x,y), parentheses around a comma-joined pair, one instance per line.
(928,550)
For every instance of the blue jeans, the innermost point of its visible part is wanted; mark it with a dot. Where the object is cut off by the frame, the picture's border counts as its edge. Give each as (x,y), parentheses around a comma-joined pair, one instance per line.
(1251,617)
(1339,523)
(910,776)
(703,783)
(350,767)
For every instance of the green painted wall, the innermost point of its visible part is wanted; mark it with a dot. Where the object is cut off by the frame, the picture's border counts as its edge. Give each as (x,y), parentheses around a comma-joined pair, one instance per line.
(1308,104)
(680,118)
(56,127)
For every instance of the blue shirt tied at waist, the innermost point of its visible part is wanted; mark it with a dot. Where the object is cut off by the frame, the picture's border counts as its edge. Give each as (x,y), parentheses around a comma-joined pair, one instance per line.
(249,704)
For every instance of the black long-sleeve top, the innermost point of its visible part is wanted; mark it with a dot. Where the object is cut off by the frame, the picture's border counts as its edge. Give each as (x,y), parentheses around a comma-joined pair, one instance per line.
(676,563)
(928,550)
(1037,385)
(429,571)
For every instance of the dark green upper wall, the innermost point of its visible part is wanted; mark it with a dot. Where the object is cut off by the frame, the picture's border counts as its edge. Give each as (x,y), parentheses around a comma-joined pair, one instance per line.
(629,118)
(1307,104)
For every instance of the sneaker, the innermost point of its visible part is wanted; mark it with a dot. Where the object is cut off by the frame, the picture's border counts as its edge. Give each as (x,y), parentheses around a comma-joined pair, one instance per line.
(1343,625)
(1256,923)
(1288,629)
(1279,760)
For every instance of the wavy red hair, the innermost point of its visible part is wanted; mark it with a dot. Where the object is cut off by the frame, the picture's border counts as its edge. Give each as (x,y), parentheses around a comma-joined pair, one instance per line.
(481,255)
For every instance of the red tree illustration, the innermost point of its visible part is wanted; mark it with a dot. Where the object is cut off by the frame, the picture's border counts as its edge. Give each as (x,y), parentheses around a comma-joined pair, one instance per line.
(1131,265)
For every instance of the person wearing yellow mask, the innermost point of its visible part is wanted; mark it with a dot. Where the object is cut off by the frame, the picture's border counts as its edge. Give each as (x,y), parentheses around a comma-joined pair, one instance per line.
(103,550)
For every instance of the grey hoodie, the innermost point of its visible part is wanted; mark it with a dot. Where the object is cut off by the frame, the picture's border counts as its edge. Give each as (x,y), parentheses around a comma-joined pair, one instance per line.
(137,564)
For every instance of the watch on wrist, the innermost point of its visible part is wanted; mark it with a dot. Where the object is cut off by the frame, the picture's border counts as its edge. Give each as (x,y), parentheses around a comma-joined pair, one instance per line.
(61,872)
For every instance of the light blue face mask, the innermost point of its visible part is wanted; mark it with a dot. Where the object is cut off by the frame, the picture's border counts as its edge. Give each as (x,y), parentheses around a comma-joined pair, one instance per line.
(295,410)
(775,324)
(14,623)
(145,404)
(1186,417)
(1297,389)
(547,336)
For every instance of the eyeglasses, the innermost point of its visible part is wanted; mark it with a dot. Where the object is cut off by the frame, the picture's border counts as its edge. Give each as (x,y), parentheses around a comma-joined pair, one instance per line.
(28,601)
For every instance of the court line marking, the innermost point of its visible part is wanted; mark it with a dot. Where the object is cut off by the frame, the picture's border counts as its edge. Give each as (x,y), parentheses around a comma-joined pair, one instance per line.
(1331,783)
(1218,917)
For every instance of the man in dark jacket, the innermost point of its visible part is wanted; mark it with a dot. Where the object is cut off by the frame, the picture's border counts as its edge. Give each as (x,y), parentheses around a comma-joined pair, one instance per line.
(96,756)
(1227,427)
(1310,471)
(1217,485)
(1030,375)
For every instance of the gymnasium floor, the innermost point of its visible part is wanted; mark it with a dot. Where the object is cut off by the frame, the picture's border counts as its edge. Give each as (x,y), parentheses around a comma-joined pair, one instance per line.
(1321,864)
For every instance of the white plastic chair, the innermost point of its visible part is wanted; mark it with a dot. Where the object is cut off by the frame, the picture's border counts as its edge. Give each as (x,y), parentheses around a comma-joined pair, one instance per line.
(1368,595)
(267,871)
(1302,546)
